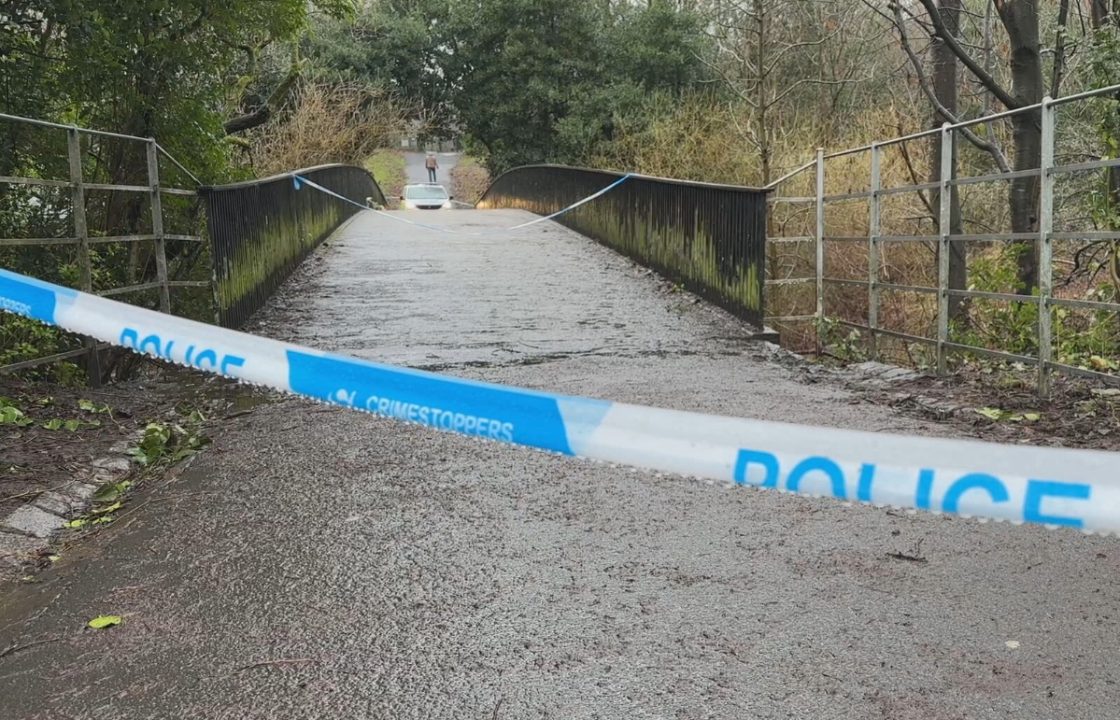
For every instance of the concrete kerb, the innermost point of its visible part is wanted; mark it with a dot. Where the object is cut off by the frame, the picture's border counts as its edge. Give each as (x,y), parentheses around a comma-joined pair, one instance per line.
(28,530)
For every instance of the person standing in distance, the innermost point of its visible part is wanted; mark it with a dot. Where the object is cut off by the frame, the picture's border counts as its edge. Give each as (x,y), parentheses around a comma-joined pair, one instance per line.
(432,164)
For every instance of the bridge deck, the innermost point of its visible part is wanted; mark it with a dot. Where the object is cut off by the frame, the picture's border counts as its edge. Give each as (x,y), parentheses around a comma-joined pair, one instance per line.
(393,571)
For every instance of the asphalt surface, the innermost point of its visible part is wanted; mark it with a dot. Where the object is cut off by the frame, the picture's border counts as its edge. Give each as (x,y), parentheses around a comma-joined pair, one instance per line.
(417,172)
(321,563)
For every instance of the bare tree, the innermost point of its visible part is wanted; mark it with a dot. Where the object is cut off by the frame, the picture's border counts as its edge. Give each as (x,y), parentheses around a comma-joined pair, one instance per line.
(769,54)
(1020,20)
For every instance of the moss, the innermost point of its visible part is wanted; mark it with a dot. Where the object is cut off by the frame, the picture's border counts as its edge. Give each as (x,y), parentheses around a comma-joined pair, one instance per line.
(276,248)
(677,246)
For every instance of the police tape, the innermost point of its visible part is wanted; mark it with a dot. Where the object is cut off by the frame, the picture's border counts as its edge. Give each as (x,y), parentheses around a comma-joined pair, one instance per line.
(1056,487)
(299,181)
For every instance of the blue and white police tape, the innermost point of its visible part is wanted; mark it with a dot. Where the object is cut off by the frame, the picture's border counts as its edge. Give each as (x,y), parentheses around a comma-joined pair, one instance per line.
(1073,488)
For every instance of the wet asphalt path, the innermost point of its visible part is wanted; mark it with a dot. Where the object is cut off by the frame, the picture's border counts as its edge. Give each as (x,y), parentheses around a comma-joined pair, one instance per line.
(319,563)
(418,173)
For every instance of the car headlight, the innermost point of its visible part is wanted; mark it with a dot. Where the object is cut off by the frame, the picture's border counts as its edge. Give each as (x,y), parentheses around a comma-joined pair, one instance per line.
(446,205)
(408,205)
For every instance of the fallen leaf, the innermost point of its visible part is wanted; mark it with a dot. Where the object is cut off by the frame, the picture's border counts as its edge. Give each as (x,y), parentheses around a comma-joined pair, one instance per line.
(1012,644)
(103,621)
(77,523)
(991,413)
(108,508)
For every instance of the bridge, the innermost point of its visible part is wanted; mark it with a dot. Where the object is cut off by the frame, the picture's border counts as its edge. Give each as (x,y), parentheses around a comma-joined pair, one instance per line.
(318,562)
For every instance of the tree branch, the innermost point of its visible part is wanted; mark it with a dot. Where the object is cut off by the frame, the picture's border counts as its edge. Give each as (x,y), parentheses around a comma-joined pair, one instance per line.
(731,85)
(980,73)
(808,81)
(914,179)
(923,82)
(261,115)
(797,45)
(1060,50)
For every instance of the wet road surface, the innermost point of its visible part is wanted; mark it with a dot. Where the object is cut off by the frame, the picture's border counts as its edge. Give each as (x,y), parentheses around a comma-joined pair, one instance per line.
(418,173)
(320,563)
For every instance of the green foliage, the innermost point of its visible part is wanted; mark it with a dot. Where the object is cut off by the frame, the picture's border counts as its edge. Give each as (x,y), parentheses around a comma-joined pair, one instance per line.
(153,68)
(1088,339)
(105,621)
(388,169)
(999,415)
(546,80)
(395,46)
(12,415)
(25,339)
(1009,326)
(163,443)
(111,492)
(843,342)
(70,425)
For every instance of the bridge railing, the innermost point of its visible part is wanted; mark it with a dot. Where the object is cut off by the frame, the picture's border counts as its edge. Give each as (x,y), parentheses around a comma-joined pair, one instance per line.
(260,230)
(93,210)
(710,238)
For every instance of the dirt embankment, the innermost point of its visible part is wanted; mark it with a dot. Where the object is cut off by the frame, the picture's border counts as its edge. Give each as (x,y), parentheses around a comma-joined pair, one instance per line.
(469,179)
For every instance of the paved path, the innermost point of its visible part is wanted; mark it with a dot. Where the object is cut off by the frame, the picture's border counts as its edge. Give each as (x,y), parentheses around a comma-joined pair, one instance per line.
(318,563)
(418,173)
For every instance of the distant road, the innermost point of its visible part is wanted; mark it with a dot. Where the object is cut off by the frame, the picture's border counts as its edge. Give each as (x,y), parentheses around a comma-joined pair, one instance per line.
(414,167)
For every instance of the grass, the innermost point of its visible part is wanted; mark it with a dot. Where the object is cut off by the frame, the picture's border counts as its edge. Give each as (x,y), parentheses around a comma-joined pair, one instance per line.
(387,167)
(469,179)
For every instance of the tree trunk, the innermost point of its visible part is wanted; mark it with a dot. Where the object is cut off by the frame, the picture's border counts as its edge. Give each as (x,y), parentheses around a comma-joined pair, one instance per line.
(945,72)
(1102,16)
(1020,18)
(761,119)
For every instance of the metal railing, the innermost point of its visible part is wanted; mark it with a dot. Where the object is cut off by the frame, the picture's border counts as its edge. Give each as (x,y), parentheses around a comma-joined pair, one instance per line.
(710,238)
(813,234)
(81,238)
(260,230)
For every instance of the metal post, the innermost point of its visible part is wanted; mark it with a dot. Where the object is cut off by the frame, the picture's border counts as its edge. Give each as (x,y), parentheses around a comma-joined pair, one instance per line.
(820,245)
(1045,247)
(81,232)
(156,202)
(943,246)
(873,254)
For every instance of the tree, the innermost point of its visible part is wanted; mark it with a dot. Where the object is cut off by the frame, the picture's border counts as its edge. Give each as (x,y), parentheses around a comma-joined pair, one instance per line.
(393,46)
(1020,20)
(543,80)
(772,53)
(941,89)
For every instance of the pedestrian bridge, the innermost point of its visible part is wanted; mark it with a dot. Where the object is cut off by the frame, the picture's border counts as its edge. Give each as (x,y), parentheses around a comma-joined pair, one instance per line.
(709,238)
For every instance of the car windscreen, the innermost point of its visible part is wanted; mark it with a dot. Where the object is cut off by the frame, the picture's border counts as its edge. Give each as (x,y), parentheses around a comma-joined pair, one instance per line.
(424,192)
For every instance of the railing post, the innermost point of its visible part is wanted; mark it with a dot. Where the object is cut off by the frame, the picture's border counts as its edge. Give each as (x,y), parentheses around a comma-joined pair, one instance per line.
(944,246)
(873,254)
(156,201)
(1045,247)
(820,245)
(81,232)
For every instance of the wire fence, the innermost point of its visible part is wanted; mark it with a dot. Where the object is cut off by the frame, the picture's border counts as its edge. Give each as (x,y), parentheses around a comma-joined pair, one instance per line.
(906,243)
(95,210)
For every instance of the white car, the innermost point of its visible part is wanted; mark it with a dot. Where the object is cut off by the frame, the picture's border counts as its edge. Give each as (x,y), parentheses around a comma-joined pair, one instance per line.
(427,196)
